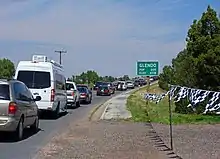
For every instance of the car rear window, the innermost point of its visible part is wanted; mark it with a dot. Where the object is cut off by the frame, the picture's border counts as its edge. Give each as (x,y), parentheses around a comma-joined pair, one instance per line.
(4,92)
(98,83)
(103,87)
(82,86)
(69,86)
(81,89)
(35,79)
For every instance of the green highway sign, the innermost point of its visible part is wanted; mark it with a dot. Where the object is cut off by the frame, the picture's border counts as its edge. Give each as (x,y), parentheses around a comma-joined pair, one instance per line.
(147,68)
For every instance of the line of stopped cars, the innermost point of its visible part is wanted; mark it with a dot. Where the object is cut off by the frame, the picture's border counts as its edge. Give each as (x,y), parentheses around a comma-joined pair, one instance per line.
(109,88)
(39,87)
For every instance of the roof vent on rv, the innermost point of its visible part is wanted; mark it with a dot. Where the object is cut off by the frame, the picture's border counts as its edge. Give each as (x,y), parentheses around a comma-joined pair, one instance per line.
(39,58)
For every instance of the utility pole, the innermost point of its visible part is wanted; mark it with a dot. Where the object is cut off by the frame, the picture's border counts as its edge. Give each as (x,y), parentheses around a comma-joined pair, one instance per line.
(61,52)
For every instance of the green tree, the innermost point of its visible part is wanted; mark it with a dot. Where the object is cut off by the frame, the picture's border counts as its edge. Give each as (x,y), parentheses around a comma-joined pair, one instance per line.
(7,68)
(203,44)
(166,77)
(92,76)
(198,65)
(126,77)
(83,77)
(181,65)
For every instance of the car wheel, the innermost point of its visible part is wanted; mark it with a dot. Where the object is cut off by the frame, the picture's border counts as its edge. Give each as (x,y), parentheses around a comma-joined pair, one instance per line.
(19,134)
(78,104)
(87,100)
(73,105)
(56,113)
(35,126)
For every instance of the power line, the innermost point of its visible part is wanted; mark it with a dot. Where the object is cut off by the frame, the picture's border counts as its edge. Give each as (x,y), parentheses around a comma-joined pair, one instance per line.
(61,52)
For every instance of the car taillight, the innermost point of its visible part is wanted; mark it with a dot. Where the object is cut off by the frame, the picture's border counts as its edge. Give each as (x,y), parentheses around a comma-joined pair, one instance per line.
(72,93)
(12,108)
(52,95)
(83,94)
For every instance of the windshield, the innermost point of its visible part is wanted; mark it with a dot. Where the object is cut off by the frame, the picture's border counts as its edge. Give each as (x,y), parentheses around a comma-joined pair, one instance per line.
(4,92)
(35,79)
(69,86)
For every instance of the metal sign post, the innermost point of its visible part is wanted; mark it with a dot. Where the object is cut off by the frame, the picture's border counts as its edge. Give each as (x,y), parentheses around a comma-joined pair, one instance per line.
(148,87)
(171,128)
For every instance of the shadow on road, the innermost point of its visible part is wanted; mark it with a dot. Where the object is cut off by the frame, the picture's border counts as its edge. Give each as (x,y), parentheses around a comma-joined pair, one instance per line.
(48,116)
(6,137)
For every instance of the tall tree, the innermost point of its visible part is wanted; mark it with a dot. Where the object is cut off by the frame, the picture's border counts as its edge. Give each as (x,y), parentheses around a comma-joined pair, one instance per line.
(83,77)
(166,77)
(203,44)
(92,76)
(7,68)
(198,65)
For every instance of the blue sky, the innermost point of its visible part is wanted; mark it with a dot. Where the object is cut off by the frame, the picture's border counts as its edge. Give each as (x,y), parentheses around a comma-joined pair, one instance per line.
(105,35)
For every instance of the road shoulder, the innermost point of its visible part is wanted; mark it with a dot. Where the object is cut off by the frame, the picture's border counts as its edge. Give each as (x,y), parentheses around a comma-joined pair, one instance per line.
(104,138)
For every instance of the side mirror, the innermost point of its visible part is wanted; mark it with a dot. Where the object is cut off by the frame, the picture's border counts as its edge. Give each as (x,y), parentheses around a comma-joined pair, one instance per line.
(37,98)
(71,89)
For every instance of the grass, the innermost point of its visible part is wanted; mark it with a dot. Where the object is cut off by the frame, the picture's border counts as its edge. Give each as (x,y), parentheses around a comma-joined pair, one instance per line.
(159,113)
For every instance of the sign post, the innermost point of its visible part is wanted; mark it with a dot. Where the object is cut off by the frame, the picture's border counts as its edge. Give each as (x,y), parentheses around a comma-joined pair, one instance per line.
(170,113)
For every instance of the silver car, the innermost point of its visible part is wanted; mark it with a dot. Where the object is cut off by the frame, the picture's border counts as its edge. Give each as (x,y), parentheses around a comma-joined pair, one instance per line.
(130,84)
(18,109)
(72,94)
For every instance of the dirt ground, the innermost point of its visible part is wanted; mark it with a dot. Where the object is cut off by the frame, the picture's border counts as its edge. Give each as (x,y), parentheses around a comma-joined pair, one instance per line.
(107,140)
(98,139)
(193,141)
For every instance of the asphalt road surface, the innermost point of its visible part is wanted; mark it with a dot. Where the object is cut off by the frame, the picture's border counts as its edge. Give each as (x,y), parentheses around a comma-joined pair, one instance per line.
(28,148)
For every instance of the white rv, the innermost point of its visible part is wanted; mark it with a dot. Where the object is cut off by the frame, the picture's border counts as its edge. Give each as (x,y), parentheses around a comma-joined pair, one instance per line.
(44,78)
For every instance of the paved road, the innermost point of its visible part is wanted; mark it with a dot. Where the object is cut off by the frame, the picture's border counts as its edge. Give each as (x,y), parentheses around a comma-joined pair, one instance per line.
(27,148)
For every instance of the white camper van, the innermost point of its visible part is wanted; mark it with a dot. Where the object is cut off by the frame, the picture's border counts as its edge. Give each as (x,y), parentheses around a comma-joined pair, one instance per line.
(44,78)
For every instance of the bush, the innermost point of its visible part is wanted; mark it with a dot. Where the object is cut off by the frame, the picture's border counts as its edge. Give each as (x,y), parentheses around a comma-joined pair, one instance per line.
(181,107)
(163,85)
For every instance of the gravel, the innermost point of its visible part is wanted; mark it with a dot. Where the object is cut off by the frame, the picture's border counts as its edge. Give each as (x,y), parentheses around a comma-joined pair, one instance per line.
(104,139)
(126,140)
(193,141)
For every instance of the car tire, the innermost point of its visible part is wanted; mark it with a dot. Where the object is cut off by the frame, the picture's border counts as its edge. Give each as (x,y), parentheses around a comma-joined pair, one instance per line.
(35,126)
(90,100)
(56,113)
(19,133)
(73,105)
(87,100)
(78,104)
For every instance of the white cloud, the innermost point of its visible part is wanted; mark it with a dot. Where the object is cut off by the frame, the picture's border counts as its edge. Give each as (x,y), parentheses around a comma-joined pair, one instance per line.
(96,31)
